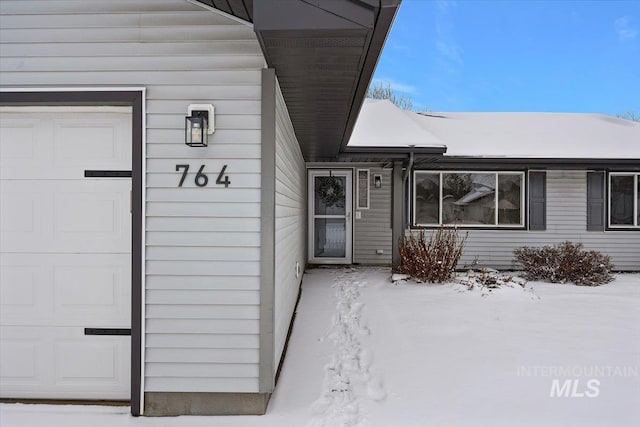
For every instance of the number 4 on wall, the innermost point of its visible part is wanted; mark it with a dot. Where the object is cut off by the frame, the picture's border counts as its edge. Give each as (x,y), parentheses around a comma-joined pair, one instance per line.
(219,180)
(201,179)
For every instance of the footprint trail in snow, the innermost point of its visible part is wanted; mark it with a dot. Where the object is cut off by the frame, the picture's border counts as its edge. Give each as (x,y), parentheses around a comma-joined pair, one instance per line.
(347,375)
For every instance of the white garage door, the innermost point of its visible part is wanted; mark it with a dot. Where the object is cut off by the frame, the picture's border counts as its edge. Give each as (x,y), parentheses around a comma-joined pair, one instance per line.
(65,248)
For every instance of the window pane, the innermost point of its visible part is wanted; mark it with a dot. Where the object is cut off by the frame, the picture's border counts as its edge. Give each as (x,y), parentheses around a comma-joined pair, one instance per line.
(363,189)
(638,200)
(427,205)
(509,199)
(330,238)
(330,195)
(468,198)
(622,200)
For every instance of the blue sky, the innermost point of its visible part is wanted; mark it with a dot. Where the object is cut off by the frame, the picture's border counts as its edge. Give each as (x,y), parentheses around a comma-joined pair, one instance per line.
(557,56)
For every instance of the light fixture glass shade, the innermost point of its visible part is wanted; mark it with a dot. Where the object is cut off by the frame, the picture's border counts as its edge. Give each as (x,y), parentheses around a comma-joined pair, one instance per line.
(196,129)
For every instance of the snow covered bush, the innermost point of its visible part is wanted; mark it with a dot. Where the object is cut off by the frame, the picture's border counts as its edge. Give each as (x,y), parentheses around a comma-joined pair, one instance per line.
(433,260)
(565,262)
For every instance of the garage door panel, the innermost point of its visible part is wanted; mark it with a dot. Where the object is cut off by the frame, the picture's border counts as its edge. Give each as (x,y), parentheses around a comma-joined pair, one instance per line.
(41,362)
(91,142)
(95,295)
(26,291)
(19,361)
(19,211)
(91,215)
(87,290)
(51,147)
(20,142)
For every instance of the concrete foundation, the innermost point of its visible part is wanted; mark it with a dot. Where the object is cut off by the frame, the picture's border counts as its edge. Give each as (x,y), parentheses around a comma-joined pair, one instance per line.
(159,404)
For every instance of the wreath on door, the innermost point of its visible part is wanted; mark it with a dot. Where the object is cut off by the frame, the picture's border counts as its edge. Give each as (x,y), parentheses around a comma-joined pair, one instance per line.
(331,191)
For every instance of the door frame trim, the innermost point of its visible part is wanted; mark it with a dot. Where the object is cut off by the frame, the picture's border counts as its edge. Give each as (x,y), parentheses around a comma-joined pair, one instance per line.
(133,97)
(310,235)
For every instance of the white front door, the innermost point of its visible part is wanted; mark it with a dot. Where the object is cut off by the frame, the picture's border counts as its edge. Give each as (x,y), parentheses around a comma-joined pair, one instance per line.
(330,224)
(65,253)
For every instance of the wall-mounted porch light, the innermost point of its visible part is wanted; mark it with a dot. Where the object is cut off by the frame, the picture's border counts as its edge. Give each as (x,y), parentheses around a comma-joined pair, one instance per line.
(377,181)
(199,124)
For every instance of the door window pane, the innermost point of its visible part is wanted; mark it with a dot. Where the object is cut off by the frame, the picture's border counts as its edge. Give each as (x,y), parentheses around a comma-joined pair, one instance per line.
(468,198)
(622,200)
(509,197)
(330,195)
(330,238)
(427,204)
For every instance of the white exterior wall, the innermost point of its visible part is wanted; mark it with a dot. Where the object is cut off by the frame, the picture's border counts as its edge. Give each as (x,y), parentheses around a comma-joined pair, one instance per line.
(566,220)
(202,244)
(290,228)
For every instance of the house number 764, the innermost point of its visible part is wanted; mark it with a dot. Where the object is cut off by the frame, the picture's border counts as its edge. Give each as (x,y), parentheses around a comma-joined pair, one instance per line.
(201,179)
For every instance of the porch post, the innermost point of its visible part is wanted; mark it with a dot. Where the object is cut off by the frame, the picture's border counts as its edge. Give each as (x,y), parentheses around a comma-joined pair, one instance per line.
(397,217)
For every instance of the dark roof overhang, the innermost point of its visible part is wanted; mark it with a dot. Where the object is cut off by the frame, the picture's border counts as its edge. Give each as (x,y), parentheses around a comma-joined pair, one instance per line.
(502,163)
(376,154)
(324,53)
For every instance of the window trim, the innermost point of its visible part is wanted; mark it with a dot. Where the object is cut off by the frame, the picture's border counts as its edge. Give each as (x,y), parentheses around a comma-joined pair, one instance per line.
(368,171)
(523,200)
(636,207)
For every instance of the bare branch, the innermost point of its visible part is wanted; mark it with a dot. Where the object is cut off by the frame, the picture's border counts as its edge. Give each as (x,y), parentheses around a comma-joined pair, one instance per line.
(380,90)
(629,115)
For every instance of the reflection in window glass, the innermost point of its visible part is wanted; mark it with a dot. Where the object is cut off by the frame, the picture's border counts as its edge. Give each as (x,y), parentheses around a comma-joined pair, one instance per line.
(509,199)
(622,199)
(468,198)
(427,205)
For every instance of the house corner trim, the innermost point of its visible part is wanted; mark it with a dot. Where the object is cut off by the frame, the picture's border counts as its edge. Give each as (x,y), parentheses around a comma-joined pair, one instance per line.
(267,231)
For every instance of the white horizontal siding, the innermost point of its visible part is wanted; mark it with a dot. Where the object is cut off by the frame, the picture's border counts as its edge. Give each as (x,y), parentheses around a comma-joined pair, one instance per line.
(373,230)
(203,384)
(202,244)
(202,326)
(215,370)
(290,232)
(566,220)
(201,341)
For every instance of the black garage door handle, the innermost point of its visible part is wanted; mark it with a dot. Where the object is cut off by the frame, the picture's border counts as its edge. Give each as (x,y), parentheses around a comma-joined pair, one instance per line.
(106,174)
(107,331)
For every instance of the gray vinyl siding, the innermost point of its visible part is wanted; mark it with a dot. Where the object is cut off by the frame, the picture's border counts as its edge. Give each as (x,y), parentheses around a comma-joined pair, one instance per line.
(566,220)
(202,244)
(373,231)
(290,230)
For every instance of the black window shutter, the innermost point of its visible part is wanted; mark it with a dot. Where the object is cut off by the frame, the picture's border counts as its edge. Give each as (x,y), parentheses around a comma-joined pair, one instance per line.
(595,201)
(537,200)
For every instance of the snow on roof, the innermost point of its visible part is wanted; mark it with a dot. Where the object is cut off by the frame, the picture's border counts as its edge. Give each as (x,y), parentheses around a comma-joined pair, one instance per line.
(382,124)
(496,135)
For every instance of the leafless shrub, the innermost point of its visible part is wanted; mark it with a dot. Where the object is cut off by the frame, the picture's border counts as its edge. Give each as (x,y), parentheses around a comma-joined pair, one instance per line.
(434,260)
(565,262)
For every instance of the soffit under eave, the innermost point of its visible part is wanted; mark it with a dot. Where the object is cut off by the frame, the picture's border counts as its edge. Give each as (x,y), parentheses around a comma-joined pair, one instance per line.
(324,55)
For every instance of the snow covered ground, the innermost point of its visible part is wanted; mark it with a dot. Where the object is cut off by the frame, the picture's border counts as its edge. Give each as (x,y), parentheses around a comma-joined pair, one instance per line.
(365,353)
